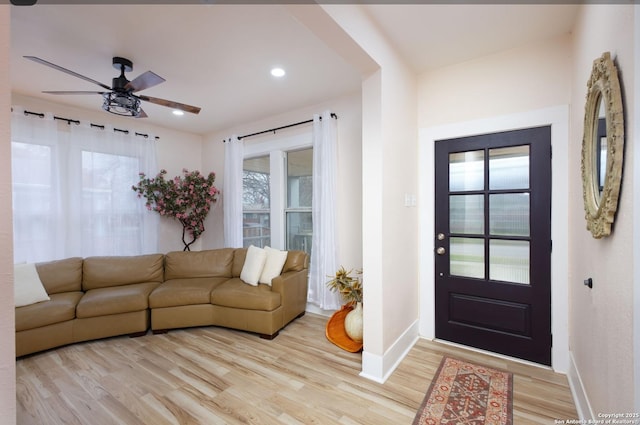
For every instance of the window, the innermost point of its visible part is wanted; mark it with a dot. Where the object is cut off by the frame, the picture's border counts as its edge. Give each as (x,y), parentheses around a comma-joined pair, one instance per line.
(256,195)
(277,194)
(299,197)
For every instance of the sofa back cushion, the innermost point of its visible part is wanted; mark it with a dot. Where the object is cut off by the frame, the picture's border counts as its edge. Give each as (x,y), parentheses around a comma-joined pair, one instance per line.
(207,263)
(103,272)
(61,275)
(239,255)
(296,261)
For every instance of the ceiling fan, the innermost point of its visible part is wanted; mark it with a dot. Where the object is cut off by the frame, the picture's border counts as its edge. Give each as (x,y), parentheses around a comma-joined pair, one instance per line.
(120,98)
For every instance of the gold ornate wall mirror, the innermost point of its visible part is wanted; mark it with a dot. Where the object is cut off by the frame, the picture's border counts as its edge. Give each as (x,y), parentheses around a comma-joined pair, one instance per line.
(602,147)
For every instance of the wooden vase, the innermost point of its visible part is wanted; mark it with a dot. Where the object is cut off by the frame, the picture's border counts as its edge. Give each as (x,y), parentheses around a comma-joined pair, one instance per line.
(353,323)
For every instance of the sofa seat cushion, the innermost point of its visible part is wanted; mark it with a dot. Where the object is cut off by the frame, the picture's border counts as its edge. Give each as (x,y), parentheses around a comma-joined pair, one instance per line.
(115,300)
(237,294)
(178,292)
(60,308)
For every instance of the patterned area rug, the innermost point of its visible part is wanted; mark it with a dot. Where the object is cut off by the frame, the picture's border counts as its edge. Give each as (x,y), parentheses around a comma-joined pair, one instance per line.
(469,394)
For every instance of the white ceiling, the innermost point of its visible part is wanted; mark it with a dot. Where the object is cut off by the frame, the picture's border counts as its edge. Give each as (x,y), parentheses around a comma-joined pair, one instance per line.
(218,57)
(437,35)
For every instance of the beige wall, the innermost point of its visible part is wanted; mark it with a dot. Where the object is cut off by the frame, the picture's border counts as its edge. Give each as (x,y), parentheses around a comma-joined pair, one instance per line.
(517,80)
(601,325)
(7,316)
(175,150)
(390,236)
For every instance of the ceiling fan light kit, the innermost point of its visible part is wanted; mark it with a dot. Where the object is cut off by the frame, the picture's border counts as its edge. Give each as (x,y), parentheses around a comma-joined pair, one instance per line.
(122,104)
(120,99)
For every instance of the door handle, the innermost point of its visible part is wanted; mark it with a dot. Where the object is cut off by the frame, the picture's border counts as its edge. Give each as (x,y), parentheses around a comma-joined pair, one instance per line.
(441,250)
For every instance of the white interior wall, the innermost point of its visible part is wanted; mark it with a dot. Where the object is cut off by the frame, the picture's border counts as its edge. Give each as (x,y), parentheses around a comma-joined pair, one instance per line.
(7,311)
(390,237)
(636,212)
(517,80)
(601,319)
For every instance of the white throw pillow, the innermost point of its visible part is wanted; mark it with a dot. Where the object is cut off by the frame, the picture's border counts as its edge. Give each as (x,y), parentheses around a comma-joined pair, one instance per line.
(28,288)
(274,264)
(253,265)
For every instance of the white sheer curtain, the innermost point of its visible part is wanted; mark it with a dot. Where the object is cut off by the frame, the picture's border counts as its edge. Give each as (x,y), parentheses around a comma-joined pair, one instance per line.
(38,210)
(72,191)
(324,241)
(232,192)
(111,219)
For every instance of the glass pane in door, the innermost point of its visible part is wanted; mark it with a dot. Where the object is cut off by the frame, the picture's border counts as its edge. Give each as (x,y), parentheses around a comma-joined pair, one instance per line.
(466,171)
(509,214)
(466,256)
(509,261)
(466,214)
(509,168)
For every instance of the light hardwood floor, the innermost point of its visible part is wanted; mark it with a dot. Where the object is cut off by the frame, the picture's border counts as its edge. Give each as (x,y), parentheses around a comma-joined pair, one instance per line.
(217,376)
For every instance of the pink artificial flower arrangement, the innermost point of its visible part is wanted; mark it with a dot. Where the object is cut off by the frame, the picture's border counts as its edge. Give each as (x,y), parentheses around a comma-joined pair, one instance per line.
(187,198)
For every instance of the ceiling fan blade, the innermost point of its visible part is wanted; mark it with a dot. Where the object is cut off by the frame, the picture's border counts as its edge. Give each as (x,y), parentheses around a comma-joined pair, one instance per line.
(73,92)
(142,114)
(144,81)
(171,104)
(65,70)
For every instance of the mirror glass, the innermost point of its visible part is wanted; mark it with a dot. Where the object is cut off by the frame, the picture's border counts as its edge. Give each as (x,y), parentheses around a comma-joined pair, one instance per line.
(600,149)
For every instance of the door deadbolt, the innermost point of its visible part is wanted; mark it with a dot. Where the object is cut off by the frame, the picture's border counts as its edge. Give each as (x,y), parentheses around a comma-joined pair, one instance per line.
(441,251)
(440,236)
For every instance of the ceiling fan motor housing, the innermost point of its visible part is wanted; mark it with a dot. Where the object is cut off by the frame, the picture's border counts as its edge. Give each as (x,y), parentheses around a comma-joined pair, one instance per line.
(123,65)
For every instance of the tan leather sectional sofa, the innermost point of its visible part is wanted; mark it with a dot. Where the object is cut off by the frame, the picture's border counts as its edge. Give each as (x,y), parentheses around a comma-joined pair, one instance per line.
(99,297)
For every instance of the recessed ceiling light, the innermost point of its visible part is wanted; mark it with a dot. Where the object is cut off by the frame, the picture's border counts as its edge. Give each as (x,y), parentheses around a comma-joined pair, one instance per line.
(178,112)
(278,72)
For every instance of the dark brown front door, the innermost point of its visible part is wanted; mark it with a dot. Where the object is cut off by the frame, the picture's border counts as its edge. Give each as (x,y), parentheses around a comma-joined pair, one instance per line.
(493,242)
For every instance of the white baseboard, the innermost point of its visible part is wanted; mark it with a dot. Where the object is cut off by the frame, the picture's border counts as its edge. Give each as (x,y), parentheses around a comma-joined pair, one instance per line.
(379,368)
(578,391)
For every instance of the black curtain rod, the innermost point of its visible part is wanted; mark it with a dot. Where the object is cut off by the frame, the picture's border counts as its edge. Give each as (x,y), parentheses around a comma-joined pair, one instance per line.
(273,130)
(77,122)
(68,120)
